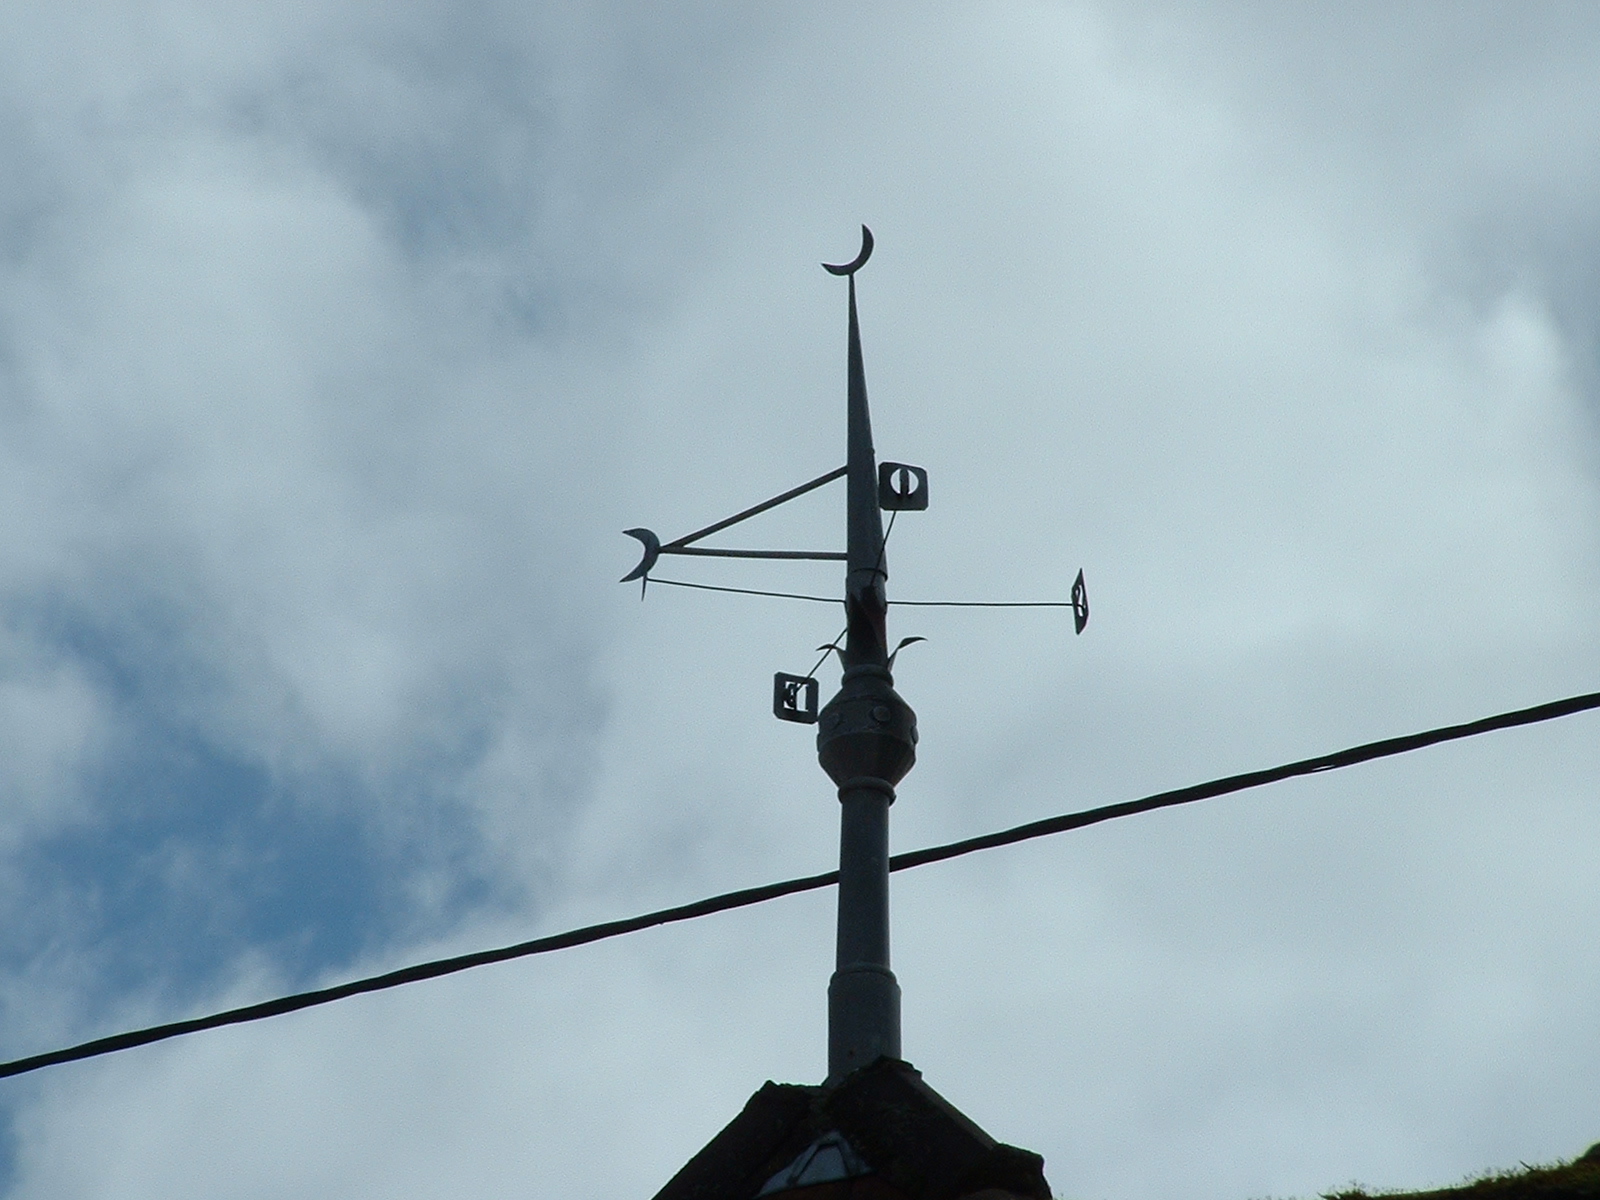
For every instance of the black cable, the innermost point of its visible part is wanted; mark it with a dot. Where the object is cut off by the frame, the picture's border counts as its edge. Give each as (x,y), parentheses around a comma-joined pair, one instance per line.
(711,587)
(833,646)
(830,648)
(1386,748)
(415,974)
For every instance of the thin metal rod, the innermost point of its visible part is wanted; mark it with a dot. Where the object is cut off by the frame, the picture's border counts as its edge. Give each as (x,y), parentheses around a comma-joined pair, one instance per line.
(708,552)
(979,603)
(738,591)
(759,508)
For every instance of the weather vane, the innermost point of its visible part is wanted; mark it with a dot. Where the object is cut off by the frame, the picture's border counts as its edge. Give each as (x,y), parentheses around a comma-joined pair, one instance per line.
(867,734)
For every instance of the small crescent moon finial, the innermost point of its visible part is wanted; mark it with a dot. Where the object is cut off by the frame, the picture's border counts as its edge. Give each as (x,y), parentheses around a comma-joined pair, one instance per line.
(652,551)
(850,268)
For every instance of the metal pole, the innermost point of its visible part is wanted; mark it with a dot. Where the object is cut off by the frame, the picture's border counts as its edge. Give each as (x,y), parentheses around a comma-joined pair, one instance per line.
(866,742)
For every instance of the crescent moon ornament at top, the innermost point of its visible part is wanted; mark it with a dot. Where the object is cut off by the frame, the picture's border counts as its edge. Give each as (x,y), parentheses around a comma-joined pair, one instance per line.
(850,268)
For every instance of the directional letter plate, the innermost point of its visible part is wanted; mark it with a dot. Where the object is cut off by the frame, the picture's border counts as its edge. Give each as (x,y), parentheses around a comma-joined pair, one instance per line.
(902,488)
(794,698)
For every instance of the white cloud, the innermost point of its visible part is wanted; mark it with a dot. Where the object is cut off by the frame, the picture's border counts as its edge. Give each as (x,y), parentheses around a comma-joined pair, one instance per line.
(338,346)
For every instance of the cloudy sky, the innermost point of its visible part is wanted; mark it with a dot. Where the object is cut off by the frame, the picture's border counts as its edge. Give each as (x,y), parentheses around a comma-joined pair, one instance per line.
(337,344)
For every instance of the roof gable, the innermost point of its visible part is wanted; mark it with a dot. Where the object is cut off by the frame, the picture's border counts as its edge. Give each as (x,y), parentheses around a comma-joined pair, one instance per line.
(881,1134)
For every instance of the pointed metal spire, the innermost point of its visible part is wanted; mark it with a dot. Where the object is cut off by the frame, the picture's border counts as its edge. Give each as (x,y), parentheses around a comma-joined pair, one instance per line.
(866,742)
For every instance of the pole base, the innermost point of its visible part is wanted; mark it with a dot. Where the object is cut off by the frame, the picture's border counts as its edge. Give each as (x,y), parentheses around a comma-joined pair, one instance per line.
(863,1018)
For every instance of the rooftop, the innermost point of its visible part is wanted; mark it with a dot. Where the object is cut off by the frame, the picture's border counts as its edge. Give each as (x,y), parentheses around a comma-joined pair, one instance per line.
(881,1134)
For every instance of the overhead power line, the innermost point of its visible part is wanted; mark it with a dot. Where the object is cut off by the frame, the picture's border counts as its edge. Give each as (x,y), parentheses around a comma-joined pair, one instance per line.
(1387,748)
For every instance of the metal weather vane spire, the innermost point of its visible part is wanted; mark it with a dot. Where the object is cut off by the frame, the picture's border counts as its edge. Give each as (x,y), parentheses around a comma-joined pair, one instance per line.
(866,742)
(866,734)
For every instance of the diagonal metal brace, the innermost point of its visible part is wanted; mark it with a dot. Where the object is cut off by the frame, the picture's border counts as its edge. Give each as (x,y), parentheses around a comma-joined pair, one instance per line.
(654,547)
